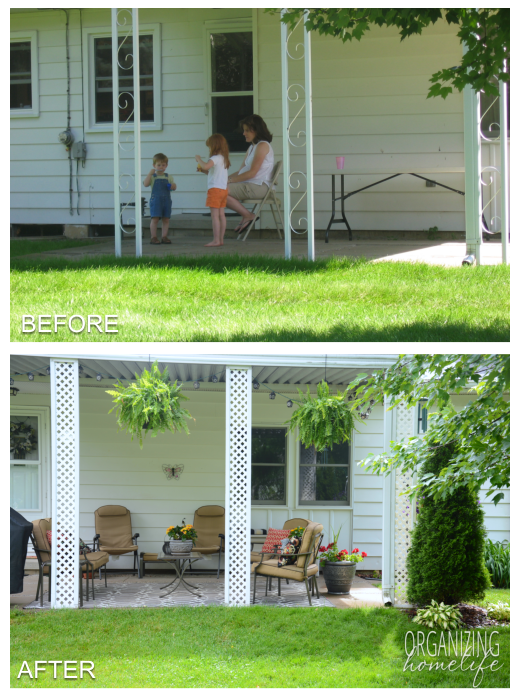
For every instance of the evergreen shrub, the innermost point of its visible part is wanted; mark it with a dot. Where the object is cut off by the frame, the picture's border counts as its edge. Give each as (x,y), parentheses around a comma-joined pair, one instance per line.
(446,559)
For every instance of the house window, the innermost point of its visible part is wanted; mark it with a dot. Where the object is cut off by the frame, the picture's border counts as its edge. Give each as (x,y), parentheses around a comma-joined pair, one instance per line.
(97,64)
(103,79)
(268,466)
(325,475)
(24,74)
(25,462)
(422,417)
(231,86)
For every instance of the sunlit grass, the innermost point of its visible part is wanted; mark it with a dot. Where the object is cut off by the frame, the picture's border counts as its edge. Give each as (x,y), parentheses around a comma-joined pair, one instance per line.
(232,298)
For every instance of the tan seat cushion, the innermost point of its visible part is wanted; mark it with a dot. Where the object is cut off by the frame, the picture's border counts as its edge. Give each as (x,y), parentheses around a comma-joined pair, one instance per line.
(96,560)
(149,556)
(40,529)
(116,551)
(308,538)
(256,556)
(271,569)
(206,549)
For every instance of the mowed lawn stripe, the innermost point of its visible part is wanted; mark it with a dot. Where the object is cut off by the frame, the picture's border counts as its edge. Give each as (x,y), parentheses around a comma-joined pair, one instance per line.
(265,299)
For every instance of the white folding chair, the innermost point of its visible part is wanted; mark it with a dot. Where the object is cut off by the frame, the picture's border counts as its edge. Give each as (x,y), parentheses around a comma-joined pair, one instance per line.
(270,198)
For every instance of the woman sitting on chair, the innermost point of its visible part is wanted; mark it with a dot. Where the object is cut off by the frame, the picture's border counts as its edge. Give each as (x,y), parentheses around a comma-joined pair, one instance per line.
(253,179)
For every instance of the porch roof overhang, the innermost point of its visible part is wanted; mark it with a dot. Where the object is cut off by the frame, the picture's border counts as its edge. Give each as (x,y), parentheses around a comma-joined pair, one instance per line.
(275,369)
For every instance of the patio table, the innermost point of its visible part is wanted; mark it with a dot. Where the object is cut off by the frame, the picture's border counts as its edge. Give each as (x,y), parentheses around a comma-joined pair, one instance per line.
(179,562)
(391,172)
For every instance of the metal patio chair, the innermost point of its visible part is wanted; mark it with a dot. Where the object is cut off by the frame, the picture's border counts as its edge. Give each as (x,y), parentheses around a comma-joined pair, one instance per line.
(271,199)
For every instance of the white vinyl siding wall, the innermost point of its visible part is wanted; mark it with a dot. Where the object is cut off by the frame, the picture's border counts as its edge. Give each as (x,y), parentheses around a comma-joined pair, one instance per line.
(39,163)
(369,105)
(114,470)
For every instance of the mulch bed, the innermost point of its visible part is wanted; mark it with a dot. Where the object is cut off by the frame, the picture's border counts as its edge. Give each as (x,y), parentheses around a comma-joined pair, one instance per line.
(473,617)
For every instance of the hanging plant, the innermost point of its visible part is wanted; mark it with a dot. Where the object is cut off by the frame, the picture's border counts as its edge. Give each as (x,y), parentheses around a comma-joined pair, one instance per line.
(151,404)
(323,421)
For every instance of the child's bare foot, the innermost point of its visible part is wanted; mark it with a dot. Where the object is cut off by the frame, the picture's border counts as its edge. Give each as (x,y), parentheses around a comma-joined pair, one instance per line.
(213,244)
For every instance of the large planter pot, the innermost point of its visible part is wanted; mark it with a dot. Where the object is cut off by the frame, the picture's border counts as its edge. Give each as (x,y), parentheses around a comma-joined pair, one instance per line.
(180,546)
(338,576)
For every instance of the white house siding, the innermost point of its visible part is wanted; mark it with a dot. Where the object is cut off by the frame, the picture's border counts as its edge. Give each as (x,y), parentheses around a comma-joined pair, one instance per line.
(114,470)
(369,105)
(39,163)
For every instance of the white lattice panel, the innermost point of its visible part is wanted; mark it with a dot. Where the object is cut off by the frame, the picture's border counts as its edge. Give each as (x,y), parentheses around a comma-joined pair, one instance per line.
(238,485)
(403,509)
(65,480)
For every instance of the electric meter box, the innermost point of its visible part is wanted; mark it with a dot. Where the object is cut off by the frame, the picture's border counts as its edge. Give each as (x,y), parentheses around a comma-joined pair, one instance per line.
(79,150)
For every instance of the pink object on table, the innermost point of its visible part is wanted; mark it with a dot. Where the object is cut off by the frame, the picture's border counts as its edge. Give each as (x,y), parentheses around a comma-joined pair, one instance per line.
(340,162)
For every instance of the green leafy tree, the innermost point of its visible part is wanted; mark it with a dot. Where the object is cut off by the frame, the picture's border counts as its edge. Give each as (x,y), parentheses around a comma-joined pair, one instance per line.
(485,33)
(446,559)
(481,429)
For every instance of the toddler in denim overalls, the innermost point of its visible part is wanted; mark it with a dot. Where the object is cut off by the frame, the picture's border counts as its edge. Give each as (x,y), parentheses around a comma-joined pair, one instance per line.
(160,199)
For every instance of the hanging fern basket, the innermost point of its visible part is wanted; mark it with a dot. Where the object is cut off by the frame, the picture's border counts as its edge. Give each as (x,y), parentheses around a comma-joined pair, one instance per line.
(324,420)
(151,404)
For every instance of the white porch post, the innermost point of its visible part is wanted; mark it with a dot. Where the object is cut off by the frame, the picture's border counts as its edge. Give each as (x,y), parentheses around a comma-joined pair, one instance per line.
(238,485)
(137,134)
(115,124)
(309,149)
(472,167)
(65,482)
(285,144)
(389,430)
(504,171)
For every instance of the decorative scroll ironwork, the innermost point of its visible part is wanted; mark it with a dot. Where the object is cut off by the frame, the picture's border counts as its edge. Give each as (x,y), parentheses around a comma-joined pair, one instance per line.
(491,223)
(295,94)
(125,136)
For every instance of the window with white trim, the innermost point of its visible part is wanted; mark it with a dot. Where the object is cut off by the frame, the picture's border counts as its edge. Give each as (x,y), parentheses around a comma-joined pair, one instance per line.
(268,465)
(324,477)
(98,67)
(25,463)
(231,85)
(24,74)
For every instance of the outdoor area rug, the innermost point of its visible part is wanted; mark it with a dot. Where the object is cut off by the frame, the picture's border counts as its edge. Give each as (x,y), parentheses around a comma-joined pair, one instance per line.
(125,591)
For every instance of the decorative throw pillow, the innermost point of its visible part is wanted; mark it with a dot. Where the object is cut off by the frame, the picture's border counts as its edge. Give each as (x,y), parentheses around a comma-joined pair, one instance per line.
(292,547)
(49,536)
(274,539)
(83,548)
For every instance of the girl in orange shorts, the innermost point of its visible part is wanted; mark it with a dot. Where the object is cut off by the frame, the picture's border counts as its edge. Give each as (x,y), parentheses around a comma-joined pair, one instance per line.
(217,169)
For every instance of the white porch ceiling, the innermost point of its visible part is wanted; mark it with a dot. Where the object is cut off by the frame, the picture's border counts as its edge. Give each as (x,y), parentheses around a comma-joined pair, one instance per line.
(273,370)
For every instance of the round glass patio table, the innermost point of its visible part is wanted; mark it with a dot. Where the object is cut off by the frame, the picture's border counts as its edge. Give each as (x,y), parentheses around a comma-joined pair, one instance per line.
(179,562)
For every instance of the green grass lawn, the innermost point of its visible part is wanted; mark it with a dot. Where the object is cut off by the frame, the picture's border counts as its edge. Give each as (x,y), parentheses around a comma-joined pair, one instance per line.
(232,298)
(28,247)
(233,647)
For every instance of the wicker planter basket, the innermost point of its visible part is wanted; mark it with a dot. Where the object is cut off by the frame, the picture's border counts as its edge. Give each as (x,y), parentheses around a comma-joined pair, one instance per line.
(179,546)
(338,576)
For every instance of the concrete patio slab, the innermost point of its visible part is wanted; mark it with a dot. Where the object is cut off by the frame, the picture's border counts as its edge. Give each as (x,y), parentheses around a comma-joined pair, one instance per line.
(192,244)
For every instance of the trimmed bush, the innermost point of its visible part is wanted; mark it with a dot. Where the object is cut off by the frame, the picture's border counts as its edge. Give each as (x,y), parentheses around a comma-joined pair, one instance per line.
(446,559)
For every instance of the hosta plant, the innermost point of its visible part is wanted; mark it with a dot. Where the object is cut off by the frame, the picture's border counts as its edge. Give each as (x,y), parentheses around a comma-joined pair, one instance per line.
(439,616)
(151,404)
(324,420)
(499,611)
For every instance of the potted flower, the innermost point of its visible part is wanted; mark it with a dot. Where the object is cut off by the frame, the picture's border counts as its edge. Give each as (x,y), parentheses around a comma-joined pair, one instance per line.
(151,404)
(181,538)
(339,567)
(323,421)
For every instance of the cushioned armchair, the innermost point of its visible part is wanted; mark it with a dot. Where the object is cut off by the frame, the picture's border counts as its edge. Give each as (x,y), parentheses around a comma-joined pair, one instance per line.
(256,556)
(114,532)
(209,522)
(303,570)
(42,547)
